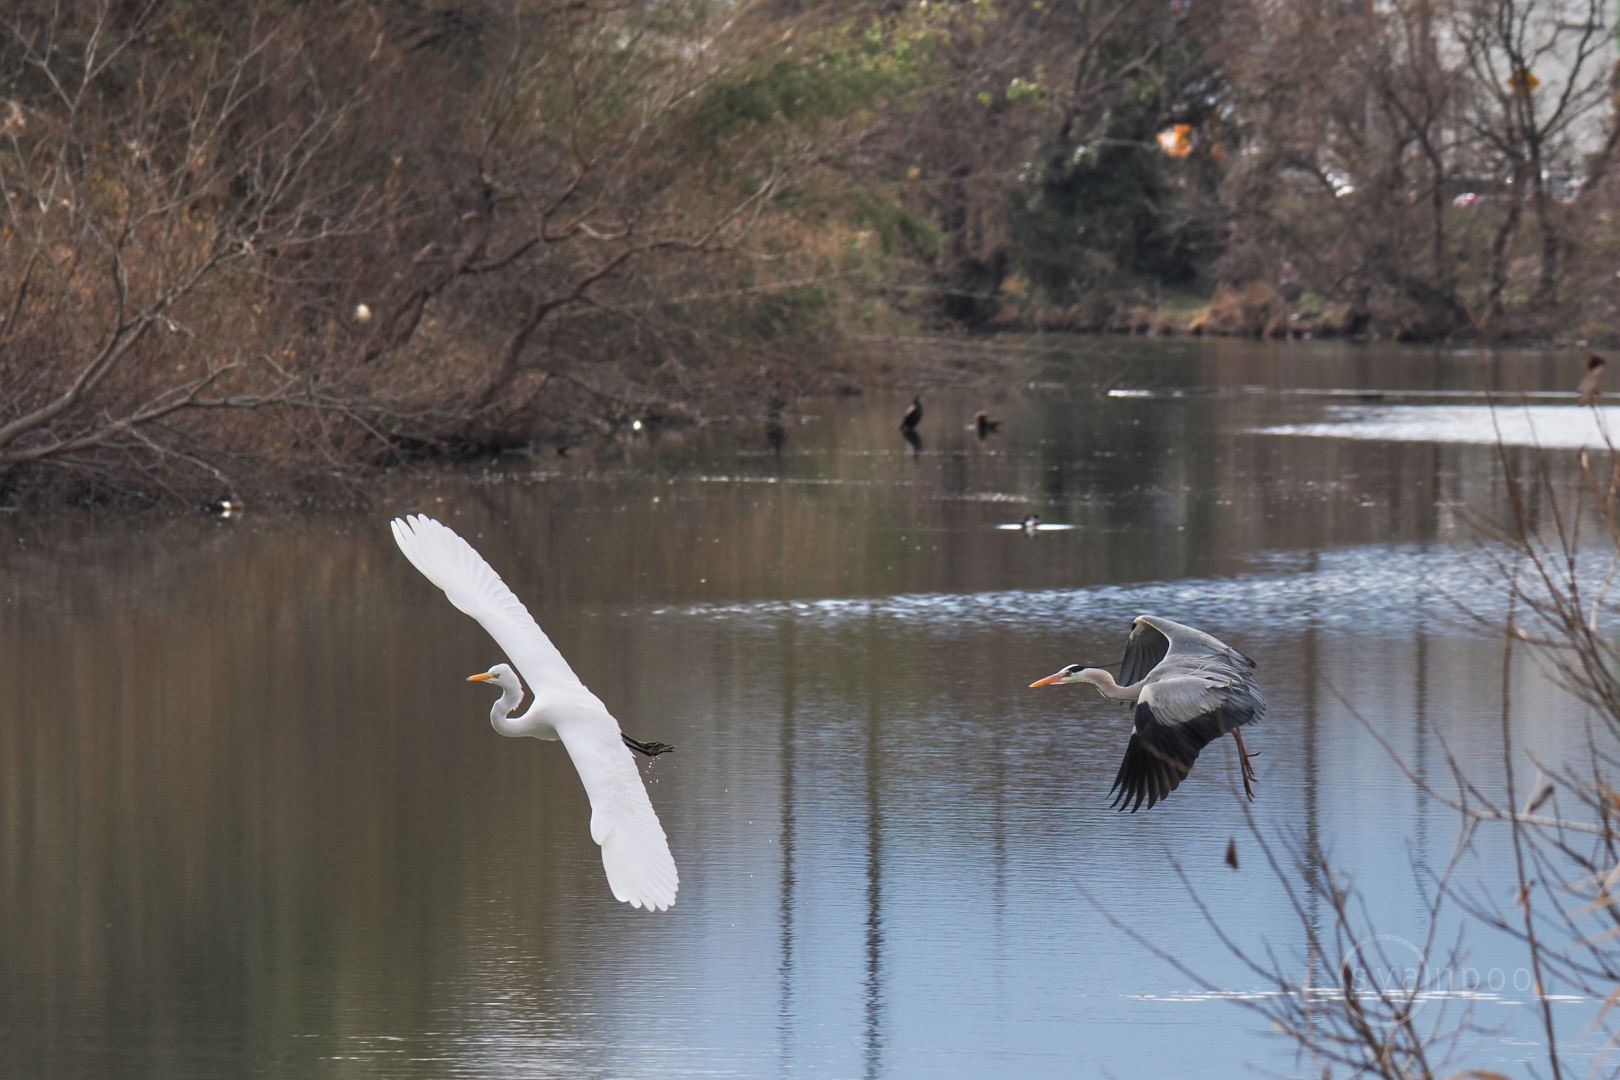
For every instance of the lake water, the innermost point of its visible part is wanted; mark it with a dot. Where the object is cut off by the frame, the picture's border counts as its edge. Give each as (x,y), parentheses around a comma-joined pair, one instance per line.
(253,822)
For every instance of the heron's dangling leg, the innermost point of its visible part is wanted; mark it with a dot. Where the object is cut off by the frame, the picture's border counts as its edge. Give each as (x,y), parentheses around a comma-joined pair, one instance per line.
(1249,779)
(651,749)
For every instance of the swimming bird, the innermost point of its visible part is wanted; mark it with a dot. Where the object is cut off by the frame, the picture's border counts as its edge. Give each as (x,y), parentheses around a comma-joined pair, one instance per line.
(913,415)
(775,433)
(1588,390)
(983,425)
(1189,688)
(635,853)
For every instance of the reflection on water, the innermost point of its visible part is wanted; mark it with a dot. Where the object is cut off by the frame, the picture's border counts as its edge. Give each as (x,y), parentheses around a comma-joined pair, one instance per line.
(1354,588)
(253,821)
(1552,426)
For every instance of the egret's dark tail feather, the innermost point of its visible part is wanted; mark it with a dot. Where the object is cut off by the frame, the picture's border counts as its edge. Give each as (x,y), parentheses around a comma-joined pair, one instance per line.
(651,749)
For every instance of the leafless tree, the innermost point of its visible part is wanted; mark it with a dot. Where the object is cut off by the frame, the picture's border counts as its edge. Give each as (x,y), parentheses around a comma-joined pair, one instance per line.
(599,171)
(1539,79)
(145,194)
(1349,114)
(254,242)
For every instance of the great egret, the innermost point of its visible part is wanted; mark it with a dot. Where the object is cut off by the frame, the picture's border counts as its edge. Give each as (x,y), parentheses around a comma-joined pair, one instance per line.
(913,416)
(1589,391)
(635,852)
(1189,689)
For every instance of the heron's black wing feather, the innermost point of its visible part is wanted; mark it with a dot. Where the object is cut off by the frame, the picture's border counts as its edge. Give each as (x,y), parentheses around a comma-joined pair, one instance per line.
(1159,755)
(1143,650)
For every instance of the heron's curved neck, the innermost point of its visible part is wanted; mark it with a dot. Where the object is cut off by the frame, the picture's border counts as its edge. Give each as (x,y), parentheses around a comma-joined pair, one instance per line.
(500,714)
(1103,680)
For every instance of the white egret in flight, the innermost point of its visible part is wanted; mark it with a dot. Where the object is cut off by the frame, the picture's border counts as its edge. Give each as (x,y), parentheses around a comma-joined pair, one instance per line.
(635,852)
(1189,689)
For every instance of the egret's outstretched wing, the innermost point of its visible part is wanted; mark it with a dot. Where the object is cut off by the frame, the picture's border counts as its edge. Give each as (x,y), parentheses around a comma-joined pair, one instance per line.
(635,852)
(474,587)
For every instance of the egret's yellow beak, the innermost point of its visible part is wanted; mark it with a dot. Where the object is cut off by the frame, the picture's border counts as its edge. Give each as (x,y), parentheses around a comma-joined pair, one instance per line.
(1048,681)
(484,677)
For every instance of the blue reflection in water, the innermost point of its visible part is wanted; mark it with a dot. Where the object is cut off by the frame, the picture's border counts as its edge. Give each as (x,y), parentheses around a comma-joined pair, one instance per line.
(979,827)
(873,1028)
(1361,588)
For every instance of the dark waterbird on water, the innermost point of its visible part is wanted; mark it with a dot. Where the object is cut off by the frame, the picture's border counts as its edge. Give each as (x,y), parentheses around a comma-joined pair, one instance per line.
(1589,390)
(1189,689)
(983,425)
(913,416)
(775,433)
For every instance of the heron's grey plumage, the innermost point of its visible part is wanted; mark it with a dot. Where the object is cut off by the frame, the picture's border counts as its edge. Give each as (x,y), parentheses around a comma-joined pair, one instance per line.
(1188,688)
(1143,650)
(1191,688)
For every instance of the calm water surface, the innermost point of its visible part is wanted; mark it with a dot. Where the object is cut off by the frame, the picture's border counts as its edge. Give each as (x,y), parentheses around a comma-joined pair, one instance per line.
(254,823)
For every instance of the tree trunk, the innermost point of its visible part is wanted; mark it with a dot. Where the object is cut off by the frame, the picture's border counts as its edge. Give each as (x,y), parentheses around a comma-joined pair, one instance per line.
(1501,246)
(1546,293)
(1547,287)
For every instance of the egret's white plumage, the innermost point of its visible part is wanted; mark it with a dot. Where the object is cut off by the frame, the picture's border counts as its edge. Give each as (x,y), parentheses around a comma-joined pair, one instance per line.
(1189,688)
(635,853)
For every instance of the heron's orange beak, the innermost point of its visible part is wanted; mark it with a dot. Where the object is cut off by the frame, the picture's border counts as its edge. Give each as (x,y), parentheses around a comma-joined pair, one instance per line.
(1048,681)
(485,677)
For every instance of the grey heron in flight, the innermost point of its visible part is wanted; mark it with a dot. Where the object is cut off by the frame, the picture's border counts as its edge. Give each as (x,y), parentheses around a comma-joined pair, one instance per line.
(1189,689)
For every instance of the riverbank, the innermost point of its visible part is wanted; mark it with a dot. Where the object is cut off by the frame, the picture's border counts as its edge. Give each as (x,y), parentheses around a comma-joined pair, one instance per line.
(299,454)
(1262,311)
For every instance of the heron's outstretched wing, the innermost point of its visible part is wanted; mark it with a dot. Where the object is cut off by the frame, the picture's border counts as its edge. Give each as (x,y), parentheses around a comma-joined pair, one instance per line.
(1143,650)
(1192,646)
(635,852)
(1161,754)
(1176,717)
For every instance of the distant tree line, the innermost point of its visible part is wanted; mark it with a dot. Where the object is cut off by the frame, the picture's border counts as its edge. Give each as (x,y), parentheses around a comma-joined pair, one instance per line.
(273,239)
(1419,168)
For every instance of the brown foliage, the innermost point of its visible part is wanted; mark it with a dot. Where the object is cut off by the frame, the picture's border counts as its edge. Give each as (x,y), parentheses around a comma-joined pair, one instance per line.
(255,248)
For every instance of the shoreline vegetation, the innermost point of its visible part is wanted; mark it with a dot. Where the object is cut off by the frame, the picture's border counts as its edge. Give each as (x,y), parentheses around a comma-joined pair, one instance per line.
(1261,311)
(276,247)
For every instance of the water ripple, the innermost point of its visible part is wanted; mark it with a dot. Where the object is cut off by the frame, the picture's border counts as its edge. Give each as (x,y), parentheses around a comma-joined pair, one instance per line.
(1361,589)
